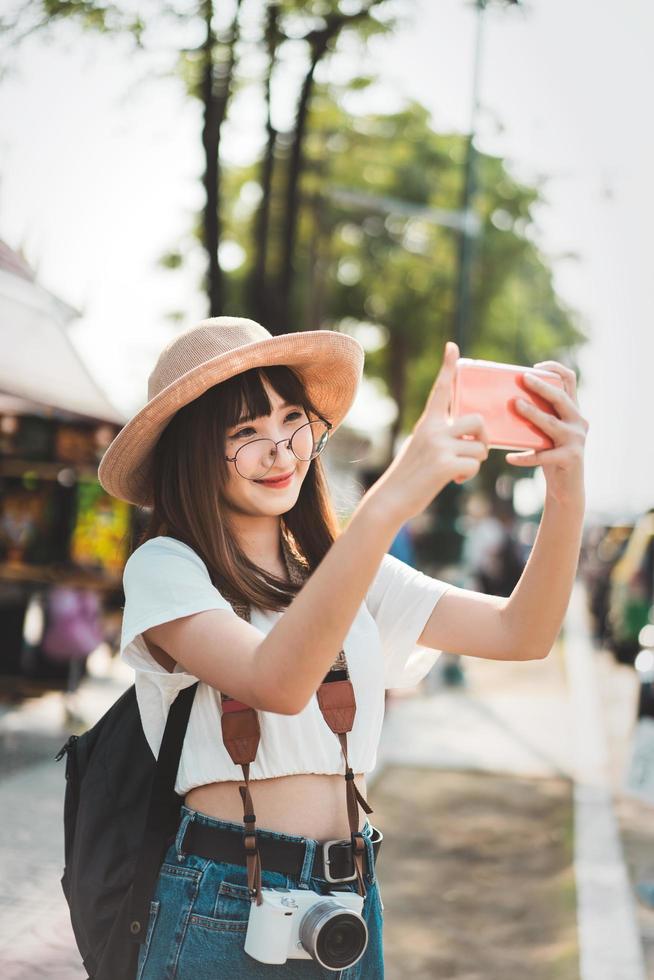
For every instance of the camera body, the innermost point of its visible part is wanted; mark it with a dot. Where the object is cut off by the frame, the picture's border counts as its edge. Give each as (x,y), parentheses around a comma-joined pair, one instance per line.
(294,923)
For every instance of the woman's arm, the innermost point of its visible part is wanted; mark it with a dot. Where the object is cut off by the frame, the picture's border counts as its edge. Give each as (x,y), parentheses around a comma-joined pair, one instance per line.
(302,645)
(524,626)
(281,670)
(535,610)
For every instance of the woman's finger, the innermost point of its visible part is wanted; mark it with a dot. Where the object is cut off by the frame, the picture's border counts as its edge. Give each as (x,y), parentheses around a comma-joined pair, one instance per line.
(565,406)
(524,459)
(438,400)
(549,424)
(467,426)
(566,374)
(559,454)
(559,368)
(472,447)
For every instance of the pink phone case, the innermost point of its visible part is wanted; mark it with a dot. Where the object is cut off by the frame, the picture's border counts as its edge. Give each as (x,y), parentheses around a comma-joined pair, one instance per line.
(490,389)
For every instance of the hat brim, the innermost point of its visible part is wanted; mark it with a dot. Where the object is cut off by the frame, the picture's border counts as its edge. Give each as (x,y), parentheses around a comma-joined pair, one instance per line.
(329,363)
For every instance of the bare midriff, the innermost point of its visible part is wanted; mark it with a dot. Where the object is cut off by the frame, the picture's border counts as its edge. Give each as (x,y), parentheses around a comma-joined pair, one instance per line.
(305,805)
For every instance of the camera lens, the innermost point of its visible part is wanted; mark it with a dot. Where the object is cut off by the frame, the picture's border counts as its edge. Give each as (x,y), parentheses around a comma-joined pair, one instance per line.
(333,935)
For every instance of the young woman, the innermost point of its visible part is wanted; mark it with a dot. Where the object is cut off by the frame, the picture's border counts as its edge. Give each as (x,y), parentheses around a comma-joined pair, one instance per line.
(244,582)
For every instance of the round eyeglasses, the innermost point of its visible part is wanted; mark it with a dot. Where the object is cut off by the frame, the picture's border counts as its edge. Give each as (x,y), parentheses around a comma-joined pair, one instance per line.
(257,457)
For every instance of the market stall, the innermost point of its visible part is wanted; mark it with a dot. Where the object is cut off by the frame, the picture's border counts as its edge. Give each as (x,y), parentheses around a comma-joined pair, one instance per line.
(63,540)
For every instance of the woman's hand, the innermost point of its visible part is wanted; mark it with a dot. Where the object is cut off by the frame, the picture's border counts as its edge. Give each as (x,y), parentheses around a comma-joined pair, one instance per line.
(435,453)
(563,465)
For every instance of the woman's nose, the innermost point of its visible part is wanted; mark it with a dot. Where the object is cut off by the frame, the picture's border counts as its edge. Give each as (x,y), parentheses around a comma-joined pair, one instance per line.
(284,450)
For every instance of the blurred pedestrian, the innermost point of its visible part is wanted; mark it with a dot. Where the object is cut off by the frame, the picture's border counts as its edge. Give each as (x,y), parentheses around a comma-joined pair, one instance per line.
(492,554)
(72,630)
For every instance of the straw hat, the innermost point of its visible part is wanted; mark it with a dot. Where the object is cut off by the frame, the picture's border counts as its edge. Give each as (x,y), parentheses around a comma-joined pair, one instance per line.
(330,365)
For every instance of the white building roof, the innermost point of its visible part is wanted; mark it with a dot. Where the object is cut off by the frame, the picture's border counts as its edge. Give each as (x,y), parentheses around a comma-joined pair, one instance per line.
(39,362)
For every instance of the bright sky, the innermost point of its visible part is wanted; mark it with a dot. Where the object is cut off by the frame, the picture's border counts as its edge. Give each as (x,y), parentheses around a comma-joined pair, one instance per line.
(99,159)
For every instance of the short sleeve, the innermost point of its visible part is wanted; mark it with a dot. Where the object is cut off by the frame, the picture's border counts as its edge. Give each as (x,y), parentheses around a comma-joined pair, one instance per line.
(163,580)
(401,600)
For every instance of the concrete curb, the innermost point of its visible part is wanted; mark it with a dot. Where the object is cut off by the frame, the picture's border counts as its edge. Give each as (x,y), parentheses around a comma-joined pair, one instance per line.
(609,941)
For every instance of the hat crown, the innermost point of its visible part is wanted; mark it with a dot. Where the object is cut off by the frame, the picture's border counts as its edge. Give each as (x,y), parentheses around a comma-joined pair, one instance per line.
(210,338)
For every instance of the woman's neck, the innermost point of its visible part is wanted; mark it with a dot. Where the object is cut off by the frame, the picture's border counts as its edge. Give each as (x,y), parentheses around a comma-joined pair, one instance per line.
(261,542)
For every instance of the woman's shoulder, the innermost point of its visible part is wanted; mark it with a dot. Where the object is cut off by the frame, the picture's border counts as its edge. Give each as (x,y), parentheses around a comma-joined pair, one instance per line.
(161,556)
(165,579)
(161,546)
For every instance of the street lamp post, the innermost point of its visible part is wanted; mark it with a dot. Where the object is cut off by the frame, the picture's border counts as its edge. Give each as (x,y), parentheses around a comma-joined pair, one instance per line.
(470,221)
(462,312)
(470,229)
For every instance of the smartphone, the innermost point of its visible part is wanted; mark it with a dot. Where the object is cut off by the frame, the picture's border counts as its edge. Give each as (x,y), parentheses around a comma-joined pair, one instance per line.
(490,389)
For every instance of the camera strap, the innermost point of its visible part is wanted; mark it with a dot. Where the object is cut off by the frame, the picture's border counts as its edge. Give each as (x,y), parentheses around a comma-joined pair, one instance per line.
(241,734)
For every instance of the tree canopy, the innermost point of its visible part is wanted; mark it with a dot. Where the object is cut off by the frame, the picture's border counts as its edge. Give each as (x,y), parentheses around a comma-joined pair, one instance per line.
(346,220)
(373,249)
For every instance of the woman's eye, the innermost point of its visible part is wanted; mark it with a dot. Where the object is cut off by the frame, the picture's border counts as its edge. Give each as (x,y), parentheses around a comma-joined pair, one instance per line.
(242,432)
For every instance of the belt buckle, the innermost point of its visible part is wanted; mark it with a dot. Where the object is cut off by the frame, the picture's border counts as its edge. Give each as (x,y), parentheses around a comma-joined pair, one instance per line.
(326,860)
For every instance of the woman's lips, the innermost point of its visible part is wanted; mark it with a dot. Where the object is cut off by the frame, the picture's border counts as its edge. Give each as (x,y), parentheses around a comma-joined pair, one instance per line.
(277,484)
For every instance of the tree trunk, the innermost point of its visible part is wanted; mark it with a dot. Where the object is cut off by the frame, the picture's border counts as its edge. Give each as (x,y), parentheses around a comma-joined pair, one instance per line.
(319,42)
(317,291)
(398,354)
(210,143)
(292,197)
(259,299)
(216,89)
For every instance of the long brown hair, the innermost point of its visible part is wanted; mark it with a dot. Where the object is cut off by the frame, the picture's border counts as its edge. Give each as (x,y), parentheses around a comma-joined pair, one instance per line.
(189,476)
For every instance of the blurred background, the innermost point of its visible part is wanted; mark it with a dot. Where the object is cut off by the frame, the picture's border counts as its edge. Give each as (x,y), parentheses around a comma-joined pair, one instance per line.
(406,172)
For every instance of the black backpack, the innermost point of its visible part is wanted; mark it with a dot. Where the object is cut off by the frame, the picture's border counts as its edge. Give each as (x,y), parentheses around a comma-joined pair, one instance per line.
(121,812)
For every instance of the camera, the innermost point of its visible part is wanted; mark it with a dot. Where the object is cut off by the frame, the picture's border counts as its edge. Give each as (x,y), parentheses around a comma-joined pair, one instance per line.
(292,923)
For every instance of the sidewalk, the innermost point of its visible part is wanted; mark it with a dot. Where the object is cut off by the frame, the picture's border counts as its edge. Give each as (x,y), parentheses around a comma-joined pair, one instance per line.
(565,721)
(473,789)
(36,938)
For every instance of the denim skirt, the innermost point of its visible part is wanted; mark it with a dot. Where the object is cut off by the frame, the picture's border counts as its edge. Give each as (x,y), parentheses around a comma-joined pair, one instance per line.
(199,916)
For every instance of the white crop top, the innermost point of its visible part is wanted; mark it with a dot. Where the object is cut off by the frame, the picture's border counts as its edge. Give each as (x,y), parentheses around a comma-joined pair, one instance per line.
(165,579)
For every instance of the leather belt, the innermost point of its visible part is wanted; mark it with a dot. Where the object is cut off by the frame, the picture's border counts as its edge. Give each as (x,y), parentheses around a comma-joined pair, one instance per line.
(332,859)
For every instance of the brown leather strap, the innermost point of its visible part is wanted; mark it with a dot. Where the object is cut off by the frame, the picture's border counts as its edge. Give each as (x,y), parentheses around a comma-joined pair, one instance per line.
(240,730)
(354,799)
(337,704)
(252,856)
(241,734)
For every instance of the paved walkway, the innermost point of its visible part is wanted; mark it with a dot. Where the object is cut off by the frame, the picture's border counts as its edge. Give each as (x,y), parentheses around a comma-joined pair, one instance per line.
(36,938)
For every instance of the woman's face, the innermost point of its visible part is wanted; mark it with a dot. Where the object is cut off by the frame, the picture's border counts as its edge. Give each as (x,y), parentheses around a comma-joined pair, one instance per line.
(253,497)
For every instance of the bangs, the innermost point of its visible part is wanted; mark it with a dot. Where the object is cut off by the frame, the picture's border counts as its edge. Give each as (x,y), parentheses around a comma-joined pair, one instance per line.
(245,397)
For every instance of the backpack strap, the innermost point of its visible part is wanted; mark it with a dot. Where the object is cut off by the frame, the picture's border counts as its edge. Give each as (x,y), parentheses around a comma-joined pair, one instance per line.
(163,812)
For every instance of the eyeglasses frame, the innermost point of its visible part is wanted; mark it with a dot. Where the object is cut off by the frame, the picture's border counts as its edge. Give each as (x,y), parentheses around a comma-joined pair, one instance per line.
(232,459)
